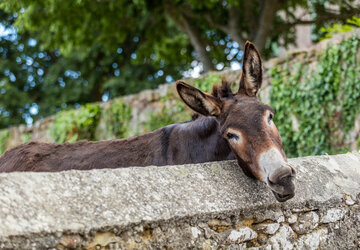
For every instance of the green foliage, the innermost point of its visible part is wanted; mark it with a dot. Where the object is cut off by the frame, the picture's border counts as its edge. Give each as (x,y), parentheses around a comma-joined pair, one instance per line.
(102,49)
(177,111)
(206,83)
(158,26)
(4,136)
(340,28)
(26,137)
(20,68)
(35,83)
(324,101)
(159,119)
(117,119)
(168,115)
(75,125)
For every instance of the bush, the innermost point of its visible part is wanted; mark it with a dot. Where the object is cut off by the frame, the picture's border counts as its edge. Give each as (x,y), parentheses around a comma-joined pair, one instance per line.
(4,137)
(75,125)
(167,116)
(117,118)
(324,101)
(205,84)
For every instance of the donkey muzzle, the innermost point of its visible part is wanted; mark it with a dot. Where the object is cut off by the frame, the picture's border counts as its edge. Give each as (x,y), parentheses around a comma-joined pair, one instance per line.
(281,183)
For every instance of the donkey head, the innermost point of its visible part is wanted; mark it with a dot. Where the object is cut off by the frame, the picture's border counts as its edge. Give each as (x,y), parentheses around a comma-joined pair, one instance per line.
(247,125)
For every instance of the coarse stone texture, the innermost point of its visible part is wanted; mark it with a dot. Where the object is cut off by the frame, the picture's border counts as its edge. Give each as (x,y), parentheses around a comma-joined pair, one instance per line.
(242,234)
(292,219)
(313,240)
(207,206)
(306,222)
(333,214)
(267,228)
(283,239)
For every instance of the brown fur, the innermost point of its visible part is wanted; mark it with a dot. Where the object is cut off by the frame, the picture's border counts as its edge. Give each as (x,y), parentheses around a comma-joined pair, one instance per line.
(159,148)
(206,138)
(195,141)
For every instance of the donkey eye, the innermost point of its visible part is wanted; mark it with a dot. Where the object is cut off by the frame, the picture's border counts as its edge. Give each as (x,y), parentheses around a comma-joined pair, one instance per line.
(231,136)
(270,117)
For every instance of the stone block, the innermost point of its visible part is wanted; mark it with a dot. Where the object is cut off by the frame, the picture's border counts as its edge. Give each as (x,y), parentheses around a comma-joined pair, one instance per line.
(306,223)
(210,205)
(242,234)
(333,215)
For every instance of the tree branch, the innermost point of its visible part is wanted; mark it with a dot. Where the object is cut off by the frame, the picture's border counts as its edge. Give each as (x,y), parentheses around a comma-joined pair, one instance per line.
(319,20)
(212,22)
(194,34)
(232,28)
(268,12)
(250,17)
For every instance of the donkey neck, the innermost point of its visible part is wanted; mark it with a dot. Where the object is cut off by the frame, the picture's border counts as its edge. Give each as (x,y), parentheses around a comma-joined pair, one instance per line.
(195,141)
(190,142)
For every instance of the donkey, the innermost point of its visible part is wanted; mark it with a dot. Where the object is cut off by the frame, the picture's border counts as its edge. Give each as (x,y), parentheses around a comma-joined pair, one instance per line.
(227,126)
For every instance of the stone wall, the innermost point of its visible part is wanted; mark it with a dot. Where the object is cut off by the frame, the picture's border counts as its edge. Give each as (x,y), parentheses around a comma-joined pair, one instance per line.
(206,206)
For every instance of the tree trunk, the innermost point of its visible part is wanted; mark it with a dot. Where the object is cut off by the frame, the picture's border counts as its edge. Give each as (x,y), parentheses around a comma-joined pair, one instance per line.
(233,27)
(198,43)
(267,16)
(195,37)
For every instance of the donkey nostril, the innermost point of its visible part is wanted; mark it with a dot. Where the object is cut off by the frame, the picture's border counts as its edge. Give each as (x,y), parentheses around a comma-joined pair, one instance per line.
(289,184)
(281,174)
(270,182)
(293,172)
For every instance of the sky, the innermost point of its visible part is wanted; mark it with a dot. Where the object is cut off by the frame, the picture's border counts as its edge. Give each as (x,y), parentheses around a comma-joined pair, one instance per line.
(4,31)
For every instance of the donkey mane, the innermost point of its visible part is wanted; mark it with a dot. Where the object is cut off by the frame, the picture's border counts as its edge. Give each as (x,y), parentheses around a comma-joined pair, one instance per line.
(223,91)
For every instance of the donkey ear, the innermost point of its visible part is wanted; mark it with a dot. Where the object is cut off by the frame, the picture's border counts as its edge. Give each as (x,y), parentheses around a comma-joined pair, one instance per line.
(251,77)
(199,101)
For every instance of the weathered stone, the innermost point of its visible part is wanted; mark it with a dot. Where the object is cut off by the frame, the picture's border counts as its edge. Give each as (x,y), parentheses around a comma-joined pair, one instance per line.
(242,234)
(349,201)
(262,239)
(209,233)
(313,240)
(267,228)
(211,205)
(195,232)
(70,241)
(237,246)
(333,214)
(283,239)
(273,215)
(281,219)
(306,222)
(219,225)
(292,219)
